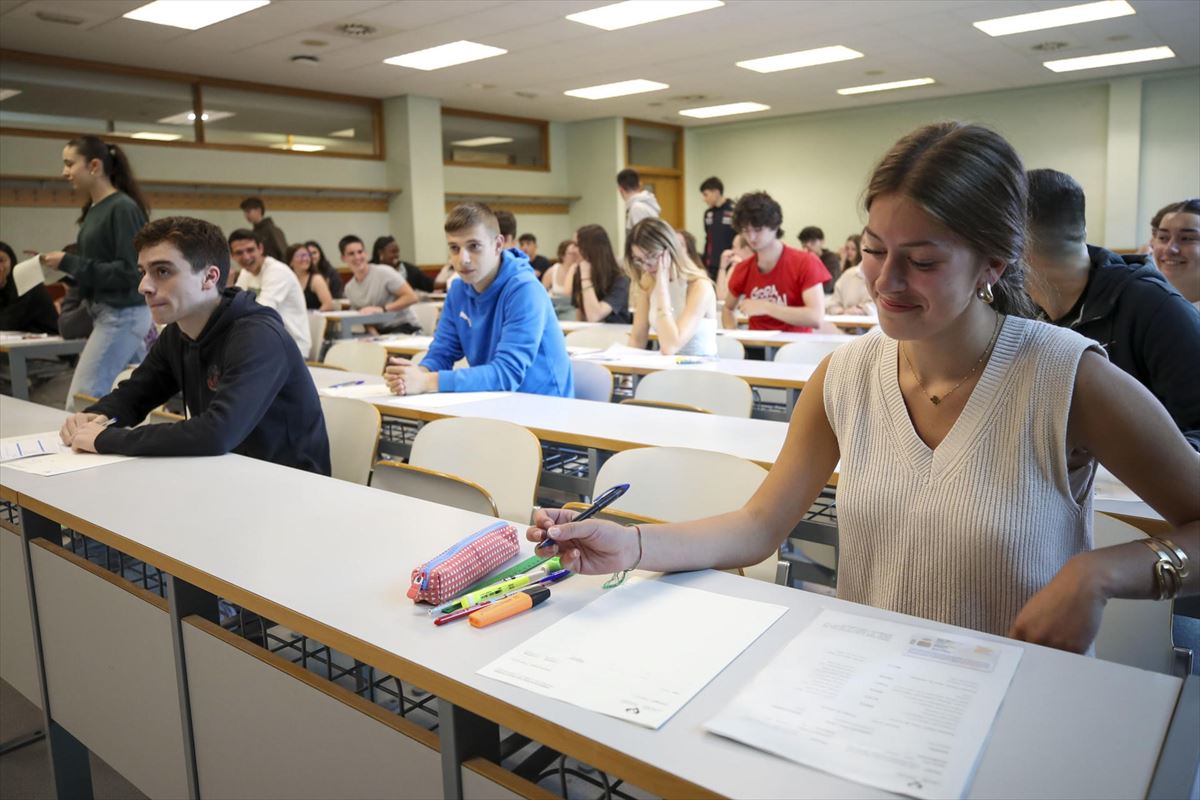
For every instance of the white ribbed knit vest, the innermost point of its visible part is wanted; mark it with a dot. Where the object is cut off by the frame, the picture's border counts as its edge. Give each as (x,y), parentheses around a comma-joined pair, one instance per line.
(966,533)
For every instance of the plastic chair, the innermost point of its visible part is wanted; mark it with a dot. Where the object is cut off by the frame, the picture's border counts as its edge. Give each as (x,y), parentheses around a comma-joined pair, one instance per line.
(316,330)
(427,315)
(805,352)
(437,487)
(717,392)
(677,484)
(592,381)
(502,458)
(367,357)
(353,428)
(599,336)
(1136,633)
(728,347)
(122,375)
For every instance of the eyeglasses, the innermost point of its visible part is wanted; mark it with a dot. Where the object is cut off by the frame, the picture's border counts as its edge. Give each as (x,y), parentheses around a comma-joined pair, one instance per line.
(648,261)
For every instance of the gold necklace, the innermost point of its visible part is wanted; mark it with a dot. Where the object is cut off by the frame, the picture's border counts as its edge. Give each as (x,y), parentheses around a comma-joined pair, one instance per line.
(933,398)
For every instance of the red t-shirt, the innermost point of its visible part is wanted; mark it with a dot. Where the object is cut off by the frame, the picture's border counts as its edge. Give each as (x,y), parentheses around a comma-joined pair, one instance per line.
(796,271)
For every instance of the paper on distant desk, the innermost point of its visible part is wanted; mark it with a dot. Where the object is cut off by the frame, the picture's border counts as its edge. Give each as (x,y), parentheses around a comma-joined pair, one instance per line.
(442,399)
(639,652)
(58,462)
(29,273)
(895,706)
(1108,487)
(358,391)
(15,448)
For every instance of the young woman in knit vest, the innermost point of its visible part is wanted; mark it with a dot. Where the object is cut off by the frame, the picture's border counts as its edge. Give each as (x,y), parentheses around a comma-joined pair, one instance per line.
(967,433)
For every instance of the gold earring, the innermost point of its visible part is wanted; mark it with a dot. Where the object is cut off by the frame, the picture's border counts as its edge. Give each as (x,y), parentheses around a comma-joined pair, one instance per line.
(984,293)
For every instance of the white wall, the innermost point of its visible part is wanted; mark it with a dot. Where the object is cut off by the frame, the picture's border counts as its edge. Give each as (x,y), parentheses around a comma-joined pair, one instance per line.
(1170,163)
(596,155)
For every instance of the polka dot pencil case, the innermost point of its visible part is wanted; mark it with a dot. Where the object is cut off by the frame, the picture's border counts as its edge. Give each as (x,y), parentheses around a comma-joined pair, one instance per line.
(456,568)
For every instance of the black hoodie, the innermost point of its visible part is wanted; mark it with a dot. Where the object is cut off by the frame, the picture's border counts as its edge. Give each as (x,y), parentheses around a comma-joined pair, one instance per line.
(245,386)
(1147,329)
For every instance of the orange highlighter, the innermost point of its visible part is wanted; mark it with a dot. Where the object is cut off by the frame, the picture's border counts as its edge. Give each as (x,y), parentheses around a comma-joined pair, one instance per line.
(510,606)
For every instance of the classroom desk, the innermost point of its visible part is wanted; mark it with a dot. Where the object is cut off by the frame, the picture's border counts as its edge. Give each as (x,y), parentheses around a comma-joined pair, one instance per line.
(342,323)
(852,320)
(1070,726)
(20,350)
(770,341)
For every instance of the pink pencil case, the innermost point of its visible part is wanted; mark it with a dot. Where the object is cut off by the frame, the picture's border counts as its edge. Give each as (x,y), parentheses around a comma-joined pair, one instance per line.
(458,567)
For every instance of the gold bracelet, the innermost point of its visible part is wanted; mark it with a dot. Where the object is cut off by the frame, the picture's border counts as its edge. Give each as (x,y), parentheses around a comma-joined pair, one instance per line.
(1170,569)
(619,577)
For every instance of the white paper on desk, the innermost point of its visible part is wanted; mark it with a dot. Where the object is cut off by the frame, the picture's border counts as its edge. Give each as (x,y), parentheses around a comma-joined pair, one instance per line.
(894,706)
(29,273)
(750,334)
(639,652)
(1109,487)
(442,399)
(15,448)
(63,462)
(357,391)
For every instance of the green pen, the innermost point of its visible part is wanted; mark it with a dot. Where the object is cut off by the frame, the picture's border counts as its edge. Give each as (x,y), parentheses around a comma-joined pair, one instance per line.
(502,587)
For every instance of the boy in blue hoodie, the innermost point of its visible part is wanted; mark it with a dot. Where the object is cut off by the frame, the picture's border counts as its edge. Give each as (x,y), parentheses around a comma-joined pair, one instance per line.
(498,315)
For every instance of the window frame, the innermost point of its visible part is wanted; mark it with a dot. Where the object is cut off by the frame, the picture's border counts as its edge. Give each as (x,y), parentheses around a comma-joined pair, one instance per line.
(542,125)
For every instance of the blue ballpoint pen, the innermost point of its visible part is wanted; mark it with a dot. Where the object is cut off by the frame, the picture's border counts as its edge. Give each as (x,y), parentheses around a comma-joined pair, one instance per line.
(598,505)
(347,383)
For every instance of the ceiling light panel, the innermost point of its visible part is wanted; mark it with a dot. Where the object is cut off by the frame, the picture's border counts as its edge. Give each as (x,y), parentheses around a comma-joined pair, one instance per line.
(1109,59)
(446,55)
(1055,18)
(152,136)
(800,58)
(7,93)
(639,12)
(193,15)
(619,89)
(482,141)
(726,110)
(883,87)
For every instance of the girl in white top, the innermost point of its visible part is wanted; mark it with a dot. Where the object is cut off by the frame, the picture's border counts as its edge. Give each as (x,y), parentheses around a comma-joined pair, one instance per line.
(967,434)
(560,279)
(676,298)
(850,294)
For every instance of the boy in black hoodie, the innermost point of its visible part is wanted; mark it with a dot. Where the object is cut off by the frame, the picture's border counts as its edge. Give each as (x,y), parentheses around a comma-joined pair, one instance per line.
(245,386)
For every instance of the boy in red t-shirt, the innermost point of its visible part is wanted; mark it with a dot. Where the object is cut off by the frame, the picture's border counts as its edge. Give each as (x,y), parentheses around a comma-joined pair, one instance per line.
(779,287)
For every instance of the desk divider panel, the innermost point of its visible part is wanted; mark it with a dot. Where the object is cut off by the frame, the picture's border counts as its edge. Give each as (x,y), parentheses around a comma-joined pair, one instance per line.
(110,673)
(484,780)
(18,660)
(264,728)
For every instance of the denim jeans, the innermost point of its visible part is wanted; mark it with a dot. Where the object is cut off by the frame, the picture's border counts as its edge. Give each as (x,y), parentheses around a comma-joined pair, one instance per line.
(118,339)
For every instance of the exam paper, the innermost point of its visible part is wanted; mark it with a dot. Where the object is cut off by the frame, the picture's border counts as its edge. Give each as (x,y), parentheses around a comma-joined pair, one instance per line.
(15,448)
(59,461)
(639,652)
(1108,487)
(442,399)
(29,273)
(894,706)
(358,391)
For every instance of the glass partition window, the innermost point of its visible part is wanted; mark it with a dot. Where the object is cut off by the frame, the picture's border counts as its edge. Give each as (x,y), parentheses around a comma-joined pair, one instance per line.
(483,140)
(285,122)
(652,146)
(74,101)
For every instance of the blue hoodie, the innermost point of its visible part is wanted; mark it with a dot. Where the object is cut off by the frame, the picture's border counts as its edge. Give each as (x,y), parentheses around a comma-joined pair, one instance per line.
(509,335)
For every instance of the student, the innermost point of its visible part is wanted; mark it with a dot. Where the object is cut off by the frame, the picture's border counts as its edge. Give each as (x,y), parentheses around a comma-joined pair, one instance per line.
(851,294)
(245,388)
(497,315)
(32,312)
(851,253)
(677,297)
(640,204)
(316,290)
(326,269)
(974,510)
(508,229)
(272,238)
(1176,247)
(386,251)
(718,224)
(778,287)
(559,280)
(812,239)
(601,290)
(738,252)
(375,288)
(1125,304)
(105,268)
(274,285)
(528,244)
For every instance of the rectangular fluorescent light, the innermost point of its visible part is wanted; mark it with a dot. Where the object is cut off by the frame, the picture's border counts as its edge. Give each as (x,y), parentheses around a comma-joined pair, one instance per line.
(1055,18)
(483,141)
(883,87)
(800,58)
(639,12)
(619,89)
(7,93)
(445,55)
(345,133)
(724,110)
(151,136)
(192,14)
(1109,59)
(299,148)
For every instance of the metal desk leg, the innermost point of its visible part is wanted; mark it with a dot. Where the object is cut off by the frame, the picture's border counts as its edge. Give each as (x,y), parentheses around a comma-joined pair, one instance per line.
(183,600)
(17,742)
(1178,770)
(69,763)
(463,735)
(18,369)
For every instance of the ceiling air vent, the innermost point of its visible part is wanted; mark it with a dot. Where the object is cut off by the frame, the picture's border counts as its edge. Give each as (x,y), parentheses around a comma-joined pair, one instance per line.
(1050,47)
(59,19)
(526,95)
(356,30)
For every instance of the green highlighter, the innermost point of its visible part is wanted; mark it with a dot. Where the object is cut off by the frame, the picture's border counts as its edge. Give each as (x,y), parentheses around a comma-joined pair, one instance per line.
(548,564)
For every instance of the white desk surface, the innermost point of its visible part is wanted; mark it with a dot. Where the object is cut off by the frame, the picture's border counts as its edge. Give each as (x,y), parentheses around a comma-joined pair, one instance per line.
(759,373)
(20,417)
(747,337)
(10,340)
(1069,727)
(852,320)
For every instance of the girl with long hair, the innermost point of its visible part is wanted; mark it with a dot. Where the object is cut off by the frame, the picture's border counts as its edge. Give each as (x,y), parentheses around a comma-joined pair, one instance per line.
(601,289)
(317,296)
(677,298)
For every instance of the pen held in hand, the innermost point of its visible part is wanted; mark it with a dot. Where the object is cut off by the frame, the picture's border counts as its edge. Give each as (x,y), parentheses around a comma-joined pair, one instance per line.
(599,504)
